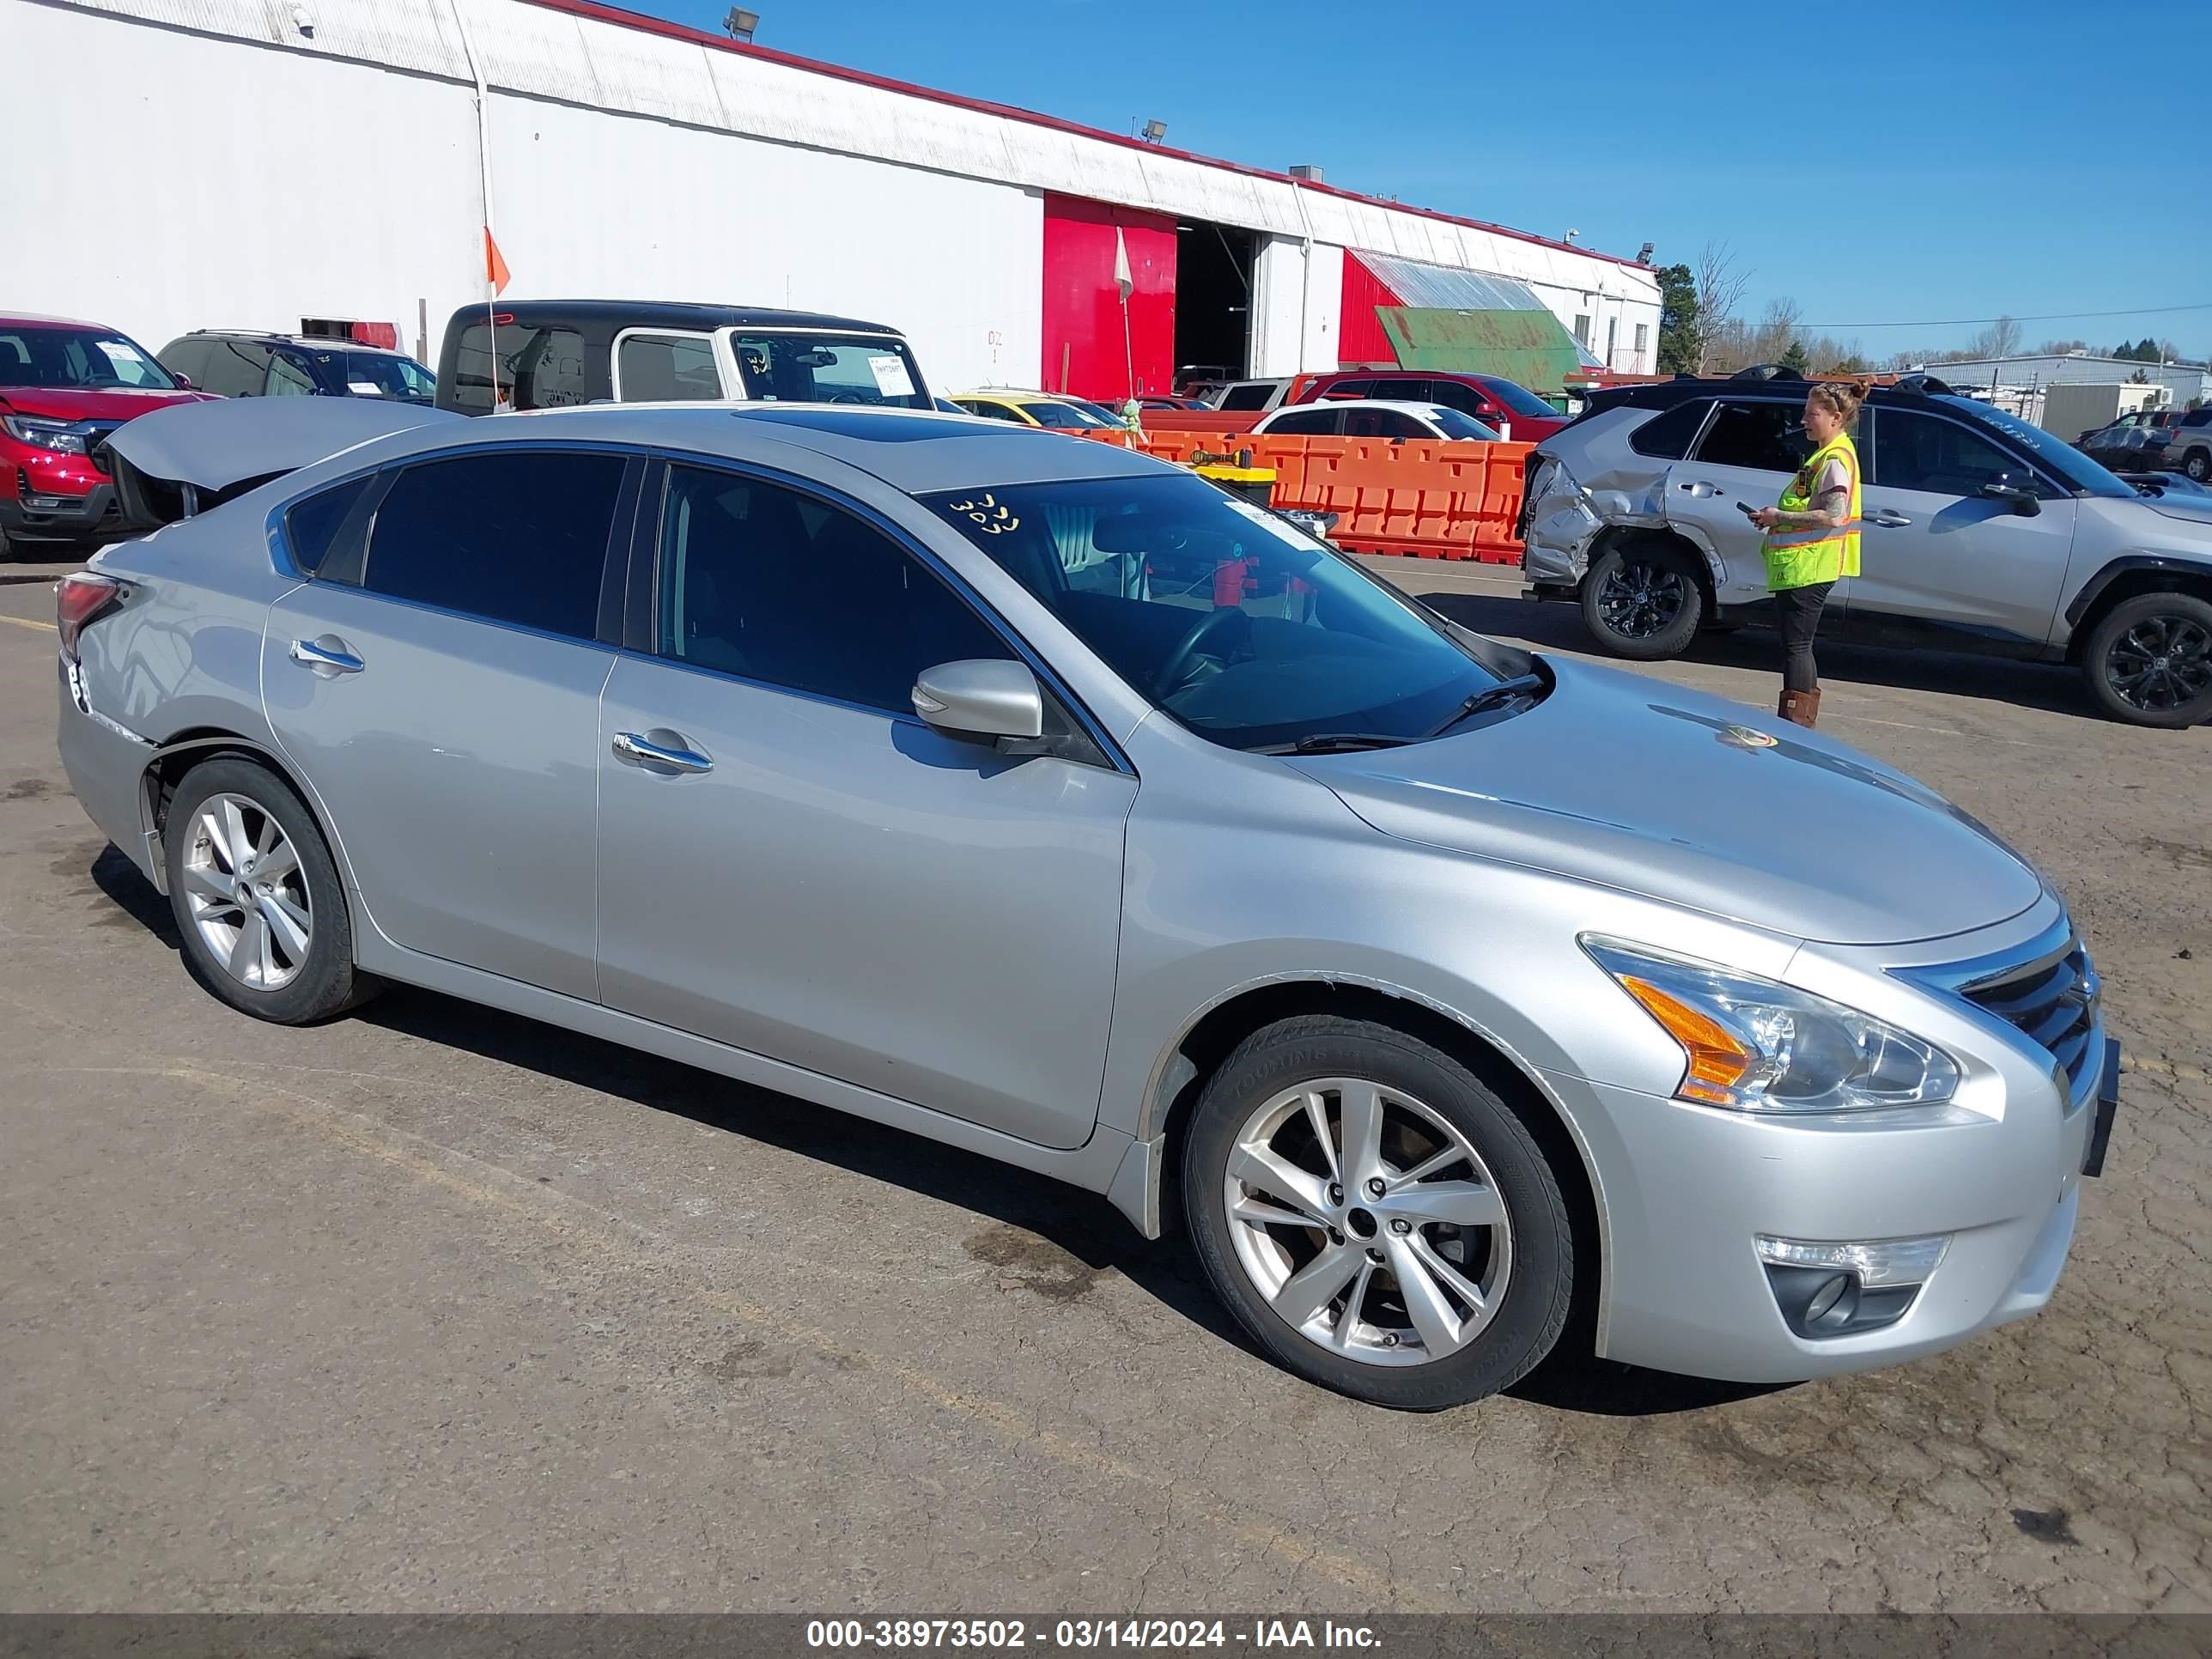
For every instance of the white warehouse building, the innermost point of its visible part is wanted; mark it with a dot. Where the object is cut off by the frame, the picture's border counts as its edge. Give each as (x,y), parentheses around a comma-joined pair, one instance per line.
(263,163)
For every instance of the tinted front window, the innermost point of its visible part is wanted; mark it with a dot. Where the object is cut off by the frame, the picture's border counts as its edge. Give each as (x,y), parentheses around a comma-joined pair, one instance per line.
(514,537)
(1381,423)
(1519,399)
(771,585)
(1766,437)
(2073,468)
(76,358)
(1668,436)
(378,374)
(1454,424)
(816,368)
(1228,618)
(287,377)
(1055,413)
(1942,457)
(991,411)
(661,368)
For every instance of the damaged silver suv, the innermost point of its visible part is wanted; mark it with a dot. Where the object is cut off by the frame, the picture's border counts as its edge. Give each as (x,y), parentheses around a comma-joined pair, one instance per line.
(1982,534)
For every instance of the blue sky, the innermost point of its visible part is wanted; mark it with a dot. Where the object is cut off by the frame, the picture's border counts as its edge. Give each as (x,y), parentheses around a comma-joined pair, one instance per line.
(1873,162)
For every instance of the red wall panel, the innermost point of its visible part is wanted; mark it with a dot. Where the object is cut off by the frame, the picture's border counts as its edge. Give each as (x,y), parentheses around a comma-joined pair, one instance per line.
(1361,341)
(1083,308)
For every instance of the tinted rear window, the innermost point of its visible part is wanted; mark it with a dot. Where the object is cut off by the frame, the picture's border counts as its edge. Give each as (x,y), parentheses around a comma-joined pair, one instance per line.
(519,538)
(311,527)
(1668,437)
(1247,397)
(1765,437)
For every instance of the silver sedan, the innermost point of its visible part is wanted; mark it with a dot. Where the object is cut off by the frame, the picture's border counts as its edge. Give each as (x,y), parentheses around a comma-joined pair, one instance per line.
(1041,798)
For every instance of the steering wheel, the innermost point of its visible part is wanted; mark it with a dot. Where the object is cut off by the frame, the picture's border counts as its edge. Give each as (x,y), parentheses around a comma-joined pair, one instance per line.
(1179,662)
(844,397)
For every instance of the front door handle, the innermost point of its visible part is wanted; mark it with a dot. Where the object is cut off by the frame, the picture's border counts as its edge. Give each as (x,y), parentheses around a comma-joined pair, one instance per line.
(326,656)
(637,748)
(1702,491)
(1889,519)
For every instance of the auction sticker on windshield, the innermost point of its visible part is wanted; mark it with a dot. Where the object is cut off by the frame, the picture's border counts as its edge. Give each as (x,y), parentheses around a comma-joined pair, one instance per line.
(891,378)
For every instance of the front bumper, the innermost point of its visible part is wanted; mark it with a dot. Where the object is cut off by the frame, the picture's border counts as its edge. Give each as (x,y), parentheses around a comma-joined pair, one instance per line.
(42,515)
(1684,1289)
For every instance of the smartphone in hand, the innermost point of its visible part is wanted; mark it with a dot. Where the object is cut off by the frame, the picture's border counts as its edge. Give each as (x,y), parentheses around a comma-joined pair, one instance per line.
(1746,508)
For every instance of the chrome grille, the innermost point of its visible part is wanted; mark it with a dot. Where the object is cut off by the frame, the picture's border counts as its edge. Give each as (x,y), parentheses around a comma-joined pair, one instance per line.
(2053,1002)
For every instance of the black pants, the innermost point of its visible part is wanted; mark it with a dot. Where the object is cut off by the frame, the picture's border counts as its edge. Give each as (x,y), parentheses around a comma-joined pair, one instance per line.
(1797,610)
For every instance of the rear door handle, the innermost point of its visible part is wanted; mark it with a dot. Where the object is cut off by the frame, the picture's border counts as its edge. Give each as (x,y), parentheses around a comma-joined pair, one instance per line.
(643,750)
(1702,491)
(1888,519)
(328,659)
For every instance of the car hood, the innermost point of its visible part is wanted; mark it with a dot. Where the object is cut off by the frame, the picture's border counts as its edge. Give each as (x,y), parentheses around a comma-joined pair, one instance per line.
(108,404)
(1633,784)
(2190,509)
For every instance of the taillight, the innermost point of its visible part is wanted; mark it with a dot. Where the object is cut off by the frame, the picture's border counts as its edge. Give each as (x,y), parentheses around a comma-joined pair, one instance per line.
(81,599)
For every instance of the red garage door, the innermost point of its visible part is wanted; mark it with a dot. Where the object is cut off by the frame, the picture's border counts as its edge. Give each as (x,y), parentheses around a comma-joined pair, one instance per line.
(1083,332)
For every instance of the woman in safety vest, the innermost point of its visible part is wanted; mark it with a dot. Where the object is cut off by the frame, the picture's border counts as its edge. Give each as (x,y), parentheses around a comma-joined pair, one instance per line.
(1812,539)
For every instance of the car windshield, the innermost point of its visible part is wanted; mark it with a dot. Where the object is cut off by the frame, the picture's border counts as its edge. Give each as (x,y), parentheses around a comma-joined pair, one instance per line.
(1242,627)
(1519,399)
(381,374)
(1453,423)
(1067,412)
(825,368)
(76,358)
(2072,467)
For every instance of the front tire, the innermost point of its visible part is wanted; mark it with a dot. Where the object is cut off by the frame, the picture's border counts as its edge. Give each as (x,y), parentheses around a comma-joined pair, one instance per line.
(257,896)
(1375,1218)
(2148,660)
(1642,599)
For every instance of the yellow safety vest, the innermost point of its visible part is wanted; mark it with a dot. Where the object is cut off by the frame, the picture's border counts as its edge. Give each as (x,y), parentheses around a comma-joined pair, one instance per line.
(1799,558)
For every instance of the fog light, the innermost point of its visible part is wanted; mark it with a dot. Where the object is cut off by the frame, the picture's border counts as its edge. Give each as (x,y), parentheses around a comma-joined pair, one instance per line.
(1825,1290)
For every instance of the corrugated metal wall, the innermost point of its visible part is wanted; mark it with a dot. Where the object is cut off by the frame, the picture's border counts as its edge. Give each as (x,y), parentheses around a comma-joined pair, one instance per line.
(258,140)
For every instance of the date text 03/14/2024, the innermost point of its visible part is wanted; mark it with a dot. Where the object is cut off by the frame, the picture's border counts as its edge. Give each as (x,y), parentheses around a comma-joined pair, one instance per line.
(1083,1634)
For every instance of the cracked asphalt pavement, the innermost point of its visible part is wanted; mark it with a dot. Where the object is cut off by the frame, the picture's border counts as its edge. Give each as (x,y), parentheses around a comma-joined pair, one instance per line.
(432,1308)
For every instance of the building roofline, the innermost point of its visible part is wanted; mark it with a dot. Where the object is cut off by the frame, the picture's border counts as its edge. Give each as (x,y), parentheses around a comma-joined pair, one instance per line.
(620,18)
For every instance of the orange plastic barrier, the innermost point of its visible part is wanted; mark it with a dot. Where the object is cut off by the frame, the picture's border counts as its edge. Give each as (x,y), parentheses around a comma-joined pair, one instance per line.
(1428,499)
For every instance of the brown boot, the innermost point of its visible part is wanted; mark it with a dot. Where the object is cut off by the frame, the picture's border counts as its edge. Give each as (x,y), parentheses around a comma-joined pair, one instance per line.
(1800,707)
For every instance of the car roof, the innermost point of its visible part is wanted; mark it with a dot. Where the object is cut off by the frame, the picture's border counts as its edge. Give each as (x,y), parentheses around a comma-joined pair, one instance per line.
(1914,391)
(913,450)
(669,313)
(29,319)
(310,342)
(1417,405)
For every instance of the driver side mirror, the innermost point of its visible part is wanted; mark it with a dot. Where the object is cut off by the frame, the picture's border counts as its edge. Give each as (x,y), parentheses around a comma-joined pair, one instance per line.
(2025,503)
(184,382)
(981,702)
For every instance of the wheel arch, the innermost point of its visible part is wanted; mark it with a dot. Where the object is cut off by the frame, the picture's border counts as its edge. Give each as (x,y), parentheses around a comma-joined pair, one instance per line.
(167,767)
(1209,1037)
(1703,563)
(2129,577)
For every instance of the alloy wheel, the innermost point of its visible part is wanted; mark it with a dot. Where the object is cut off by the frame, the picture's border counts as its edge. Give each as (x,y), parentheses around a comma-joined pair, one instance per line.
(246,893)
(1639,599)
(2162,662)
(1369,1223)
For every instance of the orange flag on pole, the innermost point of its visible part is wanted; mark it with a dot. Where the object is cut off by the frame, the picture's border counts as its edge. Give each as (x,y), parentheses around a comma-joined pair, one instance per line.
(495,272)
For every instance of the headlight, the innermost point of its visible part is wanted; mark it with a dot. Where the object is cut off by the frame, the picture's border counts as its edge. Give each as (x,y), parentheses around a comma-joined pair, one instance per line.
(1754,1045)
(61,435)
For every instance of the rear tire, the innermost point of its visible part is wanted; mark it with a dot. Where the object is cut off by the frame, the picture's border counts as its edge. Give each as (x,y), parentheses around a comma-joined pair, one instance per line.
(2148,660)
(2198,464)
(1642,599)
(257,896)
(1425,1294)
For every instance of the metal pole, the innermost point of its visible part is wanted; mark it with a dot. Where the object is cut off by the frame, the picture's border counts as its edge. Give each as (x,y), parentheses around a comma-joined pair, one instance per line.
(483,180)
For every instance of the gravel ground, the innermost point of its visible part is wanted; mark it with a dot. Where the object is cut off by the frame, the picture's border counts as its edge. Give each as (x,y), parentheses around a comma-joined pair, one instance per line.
(434,1310)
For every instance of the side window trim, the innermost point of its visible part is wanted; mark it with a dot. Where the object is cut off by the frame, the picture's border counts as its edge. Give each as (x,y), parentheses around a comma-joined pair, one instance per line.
(642,618)
(615,351)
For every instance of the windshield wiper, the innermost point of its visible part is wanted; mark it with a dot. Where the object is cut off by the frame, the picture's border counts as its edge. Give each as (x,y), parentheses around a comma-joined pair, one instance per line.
(1490,696)
(1326,743)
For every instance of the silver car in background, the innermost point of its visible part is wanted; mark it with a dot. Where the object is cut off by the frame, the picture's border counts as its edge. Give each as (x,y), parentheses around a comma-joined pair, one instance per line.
(1039,798)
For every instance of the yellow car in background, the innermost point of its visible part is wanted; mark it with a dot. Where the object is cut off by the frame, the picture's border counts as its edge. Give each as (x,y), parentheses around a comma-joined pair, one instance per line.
(1044,409)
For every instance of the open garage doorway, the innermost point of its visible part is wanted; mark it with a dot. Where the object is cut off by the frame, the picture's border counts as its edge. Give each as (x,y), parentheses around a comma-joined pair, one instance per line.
(1213,298)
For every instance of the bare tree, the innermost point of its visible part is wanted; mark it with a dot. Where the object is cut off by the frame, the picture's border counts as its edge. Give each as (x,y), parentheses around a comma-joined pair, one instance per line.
(1721,279)
(2000,339)
(1777,331)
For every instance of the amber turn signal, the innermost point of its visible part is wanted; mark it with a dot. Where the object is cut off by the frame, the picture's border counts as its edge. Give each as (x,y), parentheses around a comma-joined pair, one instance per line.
(1718,1062)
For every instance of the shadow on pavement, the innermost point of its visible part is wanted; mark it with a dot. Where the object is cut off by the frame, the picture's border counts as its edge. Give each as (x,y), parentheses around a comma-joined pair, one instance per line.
(1550,626)
(1077,1233)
